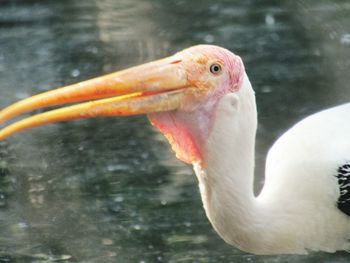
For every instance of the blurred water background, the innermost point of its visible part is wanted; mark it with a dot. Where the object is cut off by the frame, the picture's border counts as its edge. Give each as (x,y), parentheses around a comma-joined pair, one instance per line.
(110,190)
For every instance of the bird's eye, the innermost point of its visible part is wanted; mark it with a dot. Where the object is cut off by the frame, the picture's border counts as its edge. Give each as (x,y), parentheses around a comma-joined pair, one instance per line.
(215,68)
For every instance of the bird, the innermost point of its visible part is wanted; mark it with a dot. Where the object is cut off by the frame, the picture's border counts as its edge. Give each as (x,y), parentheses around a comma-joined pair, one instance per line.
(201,99)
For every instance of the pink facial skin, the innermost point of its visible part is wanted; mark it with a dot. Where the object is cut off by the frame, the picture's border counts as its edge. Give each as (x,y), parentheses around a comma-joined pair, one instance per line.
(188,128)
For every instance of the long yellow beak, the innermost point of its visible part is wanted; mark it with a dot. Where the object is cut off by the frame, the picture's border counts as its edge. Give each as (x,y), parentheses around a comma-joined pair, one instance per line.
(152,87)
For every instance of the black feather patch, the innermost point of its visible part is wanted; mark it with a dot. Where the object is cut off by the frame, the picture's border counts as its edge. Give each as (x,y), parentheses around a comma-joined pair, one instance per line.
(344,187)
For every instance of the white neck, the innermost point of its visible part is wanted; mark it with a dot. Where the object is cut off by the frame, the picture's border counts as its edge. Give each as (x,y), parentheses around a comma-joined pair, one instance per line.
(226,181)
(262,225)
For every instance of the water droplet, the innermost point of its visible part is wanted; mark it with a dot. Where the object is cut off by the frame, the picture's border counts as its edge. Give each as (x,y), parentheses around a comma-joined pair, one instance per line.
(144,155)
(269,20)
(107,242)
(117,167)
(93,50)
(21,95)
(136,227)
(345,39)
(2,200)
(266,89)
(209,38)
(332,35)
(75,73)
(163,202)
(119,199)
(22,225)
(188,224)
(60,258)
(317,52)
(111,253)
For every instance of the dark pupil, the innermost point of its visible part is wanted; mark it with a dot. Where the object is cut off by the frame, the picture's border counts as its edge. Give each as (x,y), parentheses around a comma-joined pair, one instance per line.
(215,68)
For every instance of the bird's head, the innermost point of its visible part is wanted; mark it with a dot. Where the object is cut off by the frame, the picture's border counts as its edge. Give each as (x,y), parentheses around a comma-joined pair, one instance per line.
(179,93)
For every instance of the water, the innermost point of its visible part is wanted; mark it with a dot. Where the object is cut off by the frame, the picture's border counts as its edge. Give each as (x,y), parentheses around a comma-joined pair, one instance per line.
(110,190)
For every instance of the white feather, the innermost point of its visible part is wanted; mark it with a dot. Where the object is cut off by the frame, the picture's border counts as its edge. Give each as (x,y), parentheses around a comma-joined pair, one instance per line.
(296,210)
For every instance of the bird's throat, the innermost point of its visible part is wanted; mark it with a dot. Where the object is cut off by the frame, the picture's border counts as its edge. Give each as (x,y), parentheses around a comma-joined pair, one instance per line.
(181,134)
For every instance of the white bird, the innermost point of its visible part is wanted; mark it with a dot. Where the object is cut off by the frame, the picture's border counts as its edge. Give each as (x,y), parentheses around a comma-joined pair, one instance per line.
(202,101)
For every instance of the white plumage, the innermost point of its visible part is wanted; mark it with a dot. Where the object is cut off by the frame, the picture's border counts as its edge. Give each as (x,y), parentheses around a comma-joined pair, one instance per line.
(296,210)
